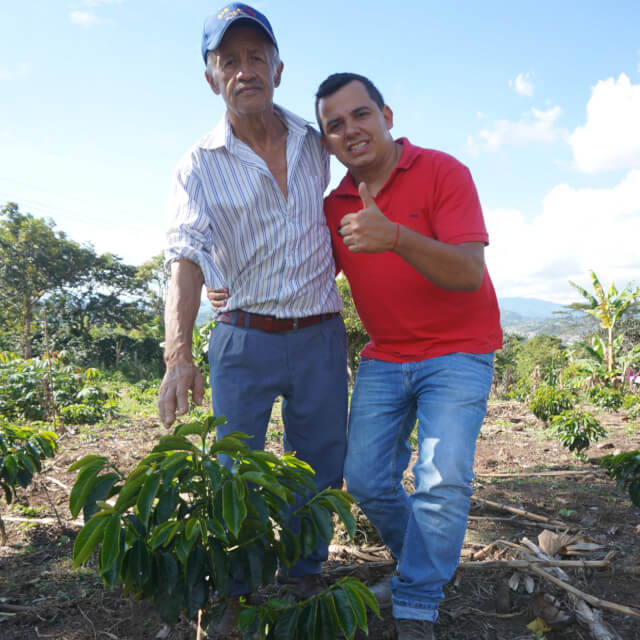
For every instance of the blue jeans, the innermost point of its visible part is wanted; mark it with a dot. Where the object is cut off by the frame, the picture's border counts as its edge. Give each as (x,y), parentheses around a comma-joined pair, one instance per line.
(308,368)
(424,531)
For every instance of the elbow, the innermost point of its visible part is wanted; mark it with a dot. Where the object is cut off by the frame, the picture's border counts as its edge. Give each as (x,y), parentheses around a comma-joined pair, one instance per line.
(474,279)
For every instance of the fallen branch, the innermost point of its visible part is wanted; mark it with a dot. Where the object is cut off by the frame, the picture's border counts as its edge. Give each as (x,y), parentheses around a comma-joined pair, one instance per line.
(520,512)
(526,564)
(592,600)
(536,474)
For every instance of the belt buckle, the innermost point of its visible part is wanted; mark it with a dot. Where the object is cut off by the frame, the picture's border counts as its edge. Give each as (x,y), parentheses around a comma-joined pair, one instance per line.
(295,324)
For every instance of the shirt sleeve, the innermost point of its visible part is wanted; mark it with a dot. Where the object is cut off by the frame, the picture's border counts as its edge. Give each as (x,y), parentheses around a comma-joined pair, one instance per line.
(188,228)
(457,211)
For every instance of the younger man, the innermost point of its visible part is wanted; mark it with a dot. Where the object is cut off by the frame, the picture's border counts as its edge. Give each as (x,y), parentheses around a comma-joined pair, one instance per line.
(408,232)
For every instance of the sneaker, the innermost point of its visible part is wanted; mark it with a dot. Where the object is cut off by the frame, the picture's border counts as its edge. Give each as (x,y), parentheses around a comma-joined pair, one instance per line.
(304,586)
(382,591)
(414,629)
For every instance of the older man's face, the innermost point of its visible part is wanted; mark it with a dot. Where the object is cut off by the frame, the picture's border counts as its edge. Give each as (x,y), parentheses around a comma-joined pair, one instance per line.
(243,70)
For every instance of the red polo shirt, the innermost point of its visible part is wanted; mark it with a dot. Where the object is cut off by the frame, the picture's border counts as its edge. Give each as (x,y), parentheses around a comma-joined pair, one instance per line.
(406,316)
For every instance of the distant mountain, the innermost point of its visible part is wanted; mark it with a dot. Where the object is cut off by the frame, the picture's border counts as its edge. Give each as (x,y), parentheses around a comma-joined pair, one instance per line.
(529,307)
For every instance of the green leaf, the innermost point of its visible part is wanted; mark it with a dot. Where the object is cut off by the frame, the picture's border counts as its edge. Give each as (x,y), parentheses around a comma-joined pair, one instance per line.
(88,539)
(85,461)
(147,496)
(138,563)
(357,605)
(355,586)
(174,443)
(326,624)
(163,534)
(100,490)
(167,571)
(215,527)
(84,484)
(110,543)
(129,492)
(220,562)
(306,627)
(191,429)
(344,611)
(323,521)
(267,483)
(285,628)
(234,509)
(308,536)
(173,465)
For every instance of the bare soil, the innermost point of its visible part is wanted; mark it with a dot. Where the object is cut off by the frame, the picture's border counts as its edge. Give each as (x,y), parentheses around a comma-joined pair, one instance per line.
(517,466)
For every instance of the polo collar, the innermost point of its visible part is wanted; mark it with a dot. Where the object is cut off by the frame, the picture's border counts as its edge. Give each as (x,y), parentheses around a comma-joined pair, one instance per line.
(410,152)
(222,135)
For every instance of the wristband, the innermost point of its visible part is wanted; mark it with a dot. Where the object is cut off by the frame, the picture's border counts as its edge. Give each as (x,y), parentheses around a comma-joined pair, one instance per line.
(395,244)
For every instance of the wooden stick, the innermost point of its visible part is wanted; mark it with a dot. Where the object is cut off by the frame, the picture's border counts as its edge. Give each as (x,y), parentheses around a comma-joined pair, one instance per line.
(520,512)
(199,632)
(596,602)
(525,564)
(534,474)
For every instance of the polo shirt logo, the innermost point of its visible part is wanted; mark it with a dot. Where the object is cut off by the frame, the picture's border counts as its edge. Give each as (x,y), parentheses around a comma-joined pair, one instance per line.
(414,215)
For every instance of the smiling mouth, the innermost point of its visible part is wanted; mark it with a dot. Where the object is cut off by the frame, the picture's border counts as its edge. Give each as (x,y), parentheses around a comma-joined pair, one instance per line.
(358,147)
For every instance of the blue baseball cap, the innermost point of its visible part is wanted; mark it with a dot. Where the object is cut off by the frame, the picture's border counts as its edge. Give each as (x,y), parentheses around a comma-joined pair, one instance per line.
(216,25)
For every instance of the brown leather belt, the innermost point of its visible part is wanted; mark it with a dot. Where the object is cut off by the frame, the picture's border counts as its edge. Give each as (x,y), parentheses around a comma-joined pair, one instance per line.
(271,323)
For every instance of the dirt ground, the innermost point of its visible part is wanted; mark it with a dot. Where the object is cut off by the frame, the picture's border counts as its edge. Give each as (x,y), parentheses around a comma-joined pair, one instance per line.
(532,485)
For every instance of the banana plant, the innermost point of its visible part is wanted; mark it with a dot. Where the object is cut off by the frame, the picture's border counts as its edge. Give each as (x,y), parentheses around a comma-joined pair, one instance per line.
(607,307)
(182,527)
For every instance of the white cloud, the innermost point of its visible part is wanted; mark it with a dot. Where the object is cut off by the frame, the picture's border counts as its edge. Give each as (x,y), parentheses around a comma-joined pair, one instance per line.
(83,18)
(21,71)
(535,126)
(576,230)
(610,139)
(523,84)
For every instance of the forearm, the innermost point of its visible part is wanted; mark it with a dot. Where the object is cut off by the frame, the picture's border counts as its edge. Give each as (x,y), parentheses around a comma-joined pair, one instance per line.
(452,267)
(181,310)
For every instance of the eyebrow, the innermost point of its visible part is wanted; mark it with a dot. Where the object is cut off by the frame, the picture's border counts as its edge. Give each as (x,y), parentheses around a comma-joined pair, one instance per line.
(353,111)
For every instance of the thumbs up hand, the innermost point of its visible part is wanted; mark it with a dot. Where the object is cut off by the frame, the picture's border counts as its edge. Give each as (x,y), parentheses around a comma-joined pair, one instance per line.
(368,230)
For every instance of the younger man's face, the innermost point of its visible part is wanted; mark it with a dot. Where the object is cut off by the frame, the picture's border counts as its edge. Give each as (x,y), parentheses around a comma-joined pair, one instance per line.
(354,127)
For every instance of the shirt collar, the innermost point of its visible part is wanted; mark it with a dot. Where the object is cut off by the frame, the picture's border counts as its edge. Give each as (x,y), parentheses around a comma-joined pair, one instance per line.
(410,152)
(222,135)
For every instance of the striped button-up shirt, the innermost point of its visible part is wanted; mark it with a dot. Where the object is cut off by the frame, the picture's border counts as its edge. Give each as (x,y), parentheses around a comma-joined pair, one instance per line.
(228,215)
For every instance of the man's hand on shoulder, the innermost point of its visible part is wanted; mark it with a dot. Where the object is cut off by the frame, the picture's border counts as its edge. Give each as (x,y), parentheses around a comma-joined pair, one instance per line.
(367,230)
(218,298)
(173,397)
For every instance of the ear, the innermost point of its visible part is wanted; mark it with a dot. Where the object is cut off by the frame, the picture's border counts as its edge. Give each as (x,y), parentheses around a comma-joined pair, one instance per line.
(387,114)
(278,74)
(211,81)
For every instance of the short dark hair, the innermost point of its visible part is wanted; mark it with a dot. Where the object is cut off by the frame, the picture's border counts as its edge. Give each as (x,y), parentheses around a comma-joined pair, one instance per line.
(336,81)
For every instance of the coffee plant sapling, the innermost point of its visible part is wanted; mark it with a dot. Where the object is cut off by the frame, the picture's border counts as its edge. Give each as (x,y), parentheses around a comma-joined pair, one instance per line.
(21,451)
(181,527)
(625,468)
(547,401)
(576,429)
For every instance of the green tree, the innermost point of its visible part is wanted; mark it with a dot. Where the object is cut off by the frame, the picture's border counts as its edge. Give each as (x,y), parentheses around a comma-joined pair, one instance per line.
(607,307)
(154,278)
(35,260)
(357,336)
(543,356)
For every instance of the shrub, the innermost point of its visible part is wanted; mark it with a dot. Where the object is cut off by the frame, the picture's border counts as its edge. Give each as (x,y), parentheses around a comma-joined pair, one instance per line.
(625,468)
(520,391)
(605,398)
(29,389)
(81,414)
(576,429)
(182,526)
(548,401)
(21,450)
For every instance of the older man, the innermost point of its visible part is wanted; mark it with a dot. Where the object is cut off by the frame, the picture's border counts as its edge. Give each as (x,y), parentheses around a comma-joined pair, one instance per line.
(408,232)
(245,215)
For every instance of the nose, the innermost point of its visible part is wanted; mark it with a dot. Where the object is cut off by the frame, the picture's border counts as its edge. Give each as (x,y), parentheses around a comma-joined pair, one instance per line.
(350,126)
(246,70)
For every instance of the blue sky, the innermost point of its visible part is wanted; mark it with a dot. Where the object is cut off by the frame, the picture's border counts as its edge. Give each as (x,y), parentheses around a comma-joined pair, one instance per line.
(99,99)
